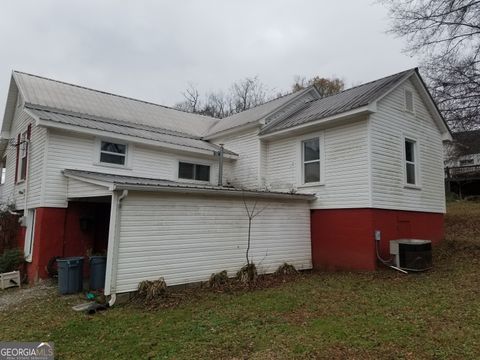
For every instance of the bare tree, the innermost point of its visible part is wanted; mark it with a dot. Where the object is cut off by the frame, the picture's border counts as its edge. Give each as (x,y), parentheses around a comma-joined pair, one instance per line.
(325,87)
(242,95)
(192,99)
(252,213)
(446,33)
(248,93)
(218,105)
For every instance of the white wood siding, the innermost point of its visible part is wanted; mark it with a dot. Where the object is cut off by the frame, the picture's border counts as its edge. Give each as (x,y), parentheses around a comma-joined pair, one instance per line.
(77,151)
(16,192)
(245,171)
(388,126)
(79,189)
(187,238)
(346,167)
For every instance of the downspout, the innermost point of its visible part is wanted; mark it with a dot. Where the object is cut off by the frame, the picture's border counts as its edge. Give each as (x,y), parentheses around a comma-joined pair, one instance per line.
(113,247)
(220,166)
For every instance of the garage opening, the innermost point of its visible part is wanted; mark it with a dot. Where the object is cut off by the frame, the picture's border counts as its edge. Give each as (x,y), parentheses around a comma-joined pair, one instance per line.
(86,228)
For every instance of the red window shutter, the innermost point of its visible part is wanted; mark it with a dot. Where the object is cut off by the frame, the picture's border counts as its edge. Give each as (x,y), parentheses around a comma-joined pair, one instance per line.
(18,158)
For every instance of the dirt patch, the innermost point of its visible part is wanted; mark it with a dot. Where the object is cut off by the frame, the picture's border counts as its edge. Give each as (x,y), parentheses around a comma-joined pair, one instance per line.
(13,298)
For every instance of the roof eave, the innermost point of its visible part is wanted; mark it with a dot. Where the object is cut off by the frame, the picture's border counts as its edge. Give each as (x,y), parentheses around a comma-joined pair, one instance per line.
(432,105)
(101,133)
(363,110)
(219,191)
(112,186)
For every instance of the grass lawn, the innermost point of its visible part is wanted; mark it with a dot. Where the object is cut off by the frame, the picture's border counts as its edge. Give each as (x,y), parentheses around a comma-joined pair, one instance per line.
(386,315)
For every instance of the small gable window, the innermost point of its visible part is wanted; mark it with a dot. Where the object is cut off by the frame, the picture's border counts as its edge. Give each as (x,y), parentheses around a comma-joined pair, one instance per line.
(409,101)
(113,153)
(311,160)
(193,171)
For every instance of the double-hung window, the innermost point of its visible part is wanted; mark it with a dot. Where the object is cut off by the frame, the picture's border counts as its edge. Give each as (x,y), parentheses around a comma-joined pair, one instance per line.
(311,161)
(193,171)
(411,162)
(113,153)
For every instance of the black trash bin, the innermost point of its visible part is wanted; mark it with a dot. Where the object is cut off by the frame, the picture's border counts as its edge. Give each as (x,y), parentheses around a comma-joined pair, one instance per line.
(70,275)
(98,265)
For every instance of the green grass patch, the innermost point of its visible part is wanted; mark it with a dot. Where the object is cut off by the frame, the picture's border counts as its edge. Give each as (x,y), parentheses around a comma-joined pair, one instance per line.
(433,315)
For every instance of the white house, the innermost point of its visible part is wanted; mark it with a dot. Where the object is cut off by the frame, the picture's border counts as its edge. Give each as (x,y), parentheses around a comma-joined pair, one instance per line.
(93,171)
(462,163)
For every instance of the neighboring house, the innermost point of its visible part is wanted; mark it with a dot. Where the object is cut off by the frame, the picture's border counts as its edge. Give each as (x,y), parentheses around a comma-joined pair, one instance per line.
(95,172)
(462,163)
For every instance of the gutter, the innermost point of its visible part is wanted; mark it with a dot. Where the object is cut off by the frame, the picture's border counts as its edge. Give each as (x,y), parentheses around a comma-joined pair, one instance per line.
(113,243)
(226,192)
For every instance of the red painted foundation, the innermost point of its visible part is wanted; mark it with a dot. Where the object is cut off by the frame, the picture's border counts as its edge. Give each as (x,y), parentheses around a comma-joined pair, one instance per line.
(343,239)
(79,230)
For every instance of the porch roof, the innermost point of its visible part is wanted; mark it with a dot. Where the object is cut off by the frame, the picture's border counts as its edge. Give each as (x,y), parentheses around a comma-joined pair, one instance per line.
(125,182)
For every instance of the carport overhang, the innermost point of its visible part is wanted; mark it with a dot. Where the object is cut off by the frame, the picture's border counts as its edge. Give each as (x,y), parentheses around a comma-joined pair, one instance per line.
(119,186)
(112,182)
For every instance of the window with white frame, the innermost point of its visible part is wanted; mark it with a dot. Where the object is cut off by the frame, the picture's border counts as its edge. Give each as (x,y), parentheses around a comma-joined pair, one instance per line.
(23,156)
(409,100)
(411,162)
(193,171)
(113,153)
(311,160)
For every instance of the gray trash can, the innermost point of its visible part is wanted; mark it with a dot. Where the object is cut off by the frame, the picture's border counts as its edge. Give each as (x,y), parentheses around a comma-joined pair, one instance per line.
(98,265)
(70,275)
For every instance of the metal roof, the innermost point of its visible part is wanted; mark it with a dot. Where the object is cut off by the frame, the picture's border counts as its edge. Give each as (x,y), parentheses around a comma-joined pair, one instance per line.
(121,182)
(59,95)
(254,114)
(344,101)
(113,126)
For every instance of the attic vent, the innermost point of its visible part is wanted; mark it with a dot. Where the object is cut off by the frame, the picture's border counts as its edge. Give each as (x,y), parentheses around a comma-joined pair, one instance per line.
(408,100)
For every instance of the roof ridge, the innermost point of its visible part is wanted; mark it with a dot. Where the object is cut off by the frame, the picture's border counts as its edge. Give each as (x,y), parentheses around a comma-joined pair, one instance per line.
(366,83)
(112,94)
(112,121)
(269,101)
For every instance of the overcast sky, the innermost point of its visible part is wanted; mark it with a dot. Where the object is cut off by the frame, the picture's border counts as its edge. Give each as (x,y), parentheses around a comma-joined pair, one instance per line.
(152,49)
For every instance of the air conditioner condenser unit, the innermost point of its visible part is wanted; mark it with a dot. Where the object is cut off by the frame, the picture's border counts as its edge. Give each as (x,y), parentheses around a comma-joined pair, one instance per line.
(412,254)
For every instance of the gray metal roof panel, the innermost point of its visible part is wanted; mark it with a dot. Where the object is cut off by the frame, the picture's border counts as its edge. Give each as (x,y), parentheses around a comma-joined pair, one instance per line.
(125,181)
(113,126)
(251,115)
(60,95)
(344,101)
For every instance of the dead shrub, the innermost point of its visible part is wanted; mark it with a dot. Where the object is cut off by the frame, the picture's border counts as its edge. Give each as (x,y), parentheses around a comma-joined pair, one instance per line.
(286,269)
(152,290)
(248,274)
(218,280)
